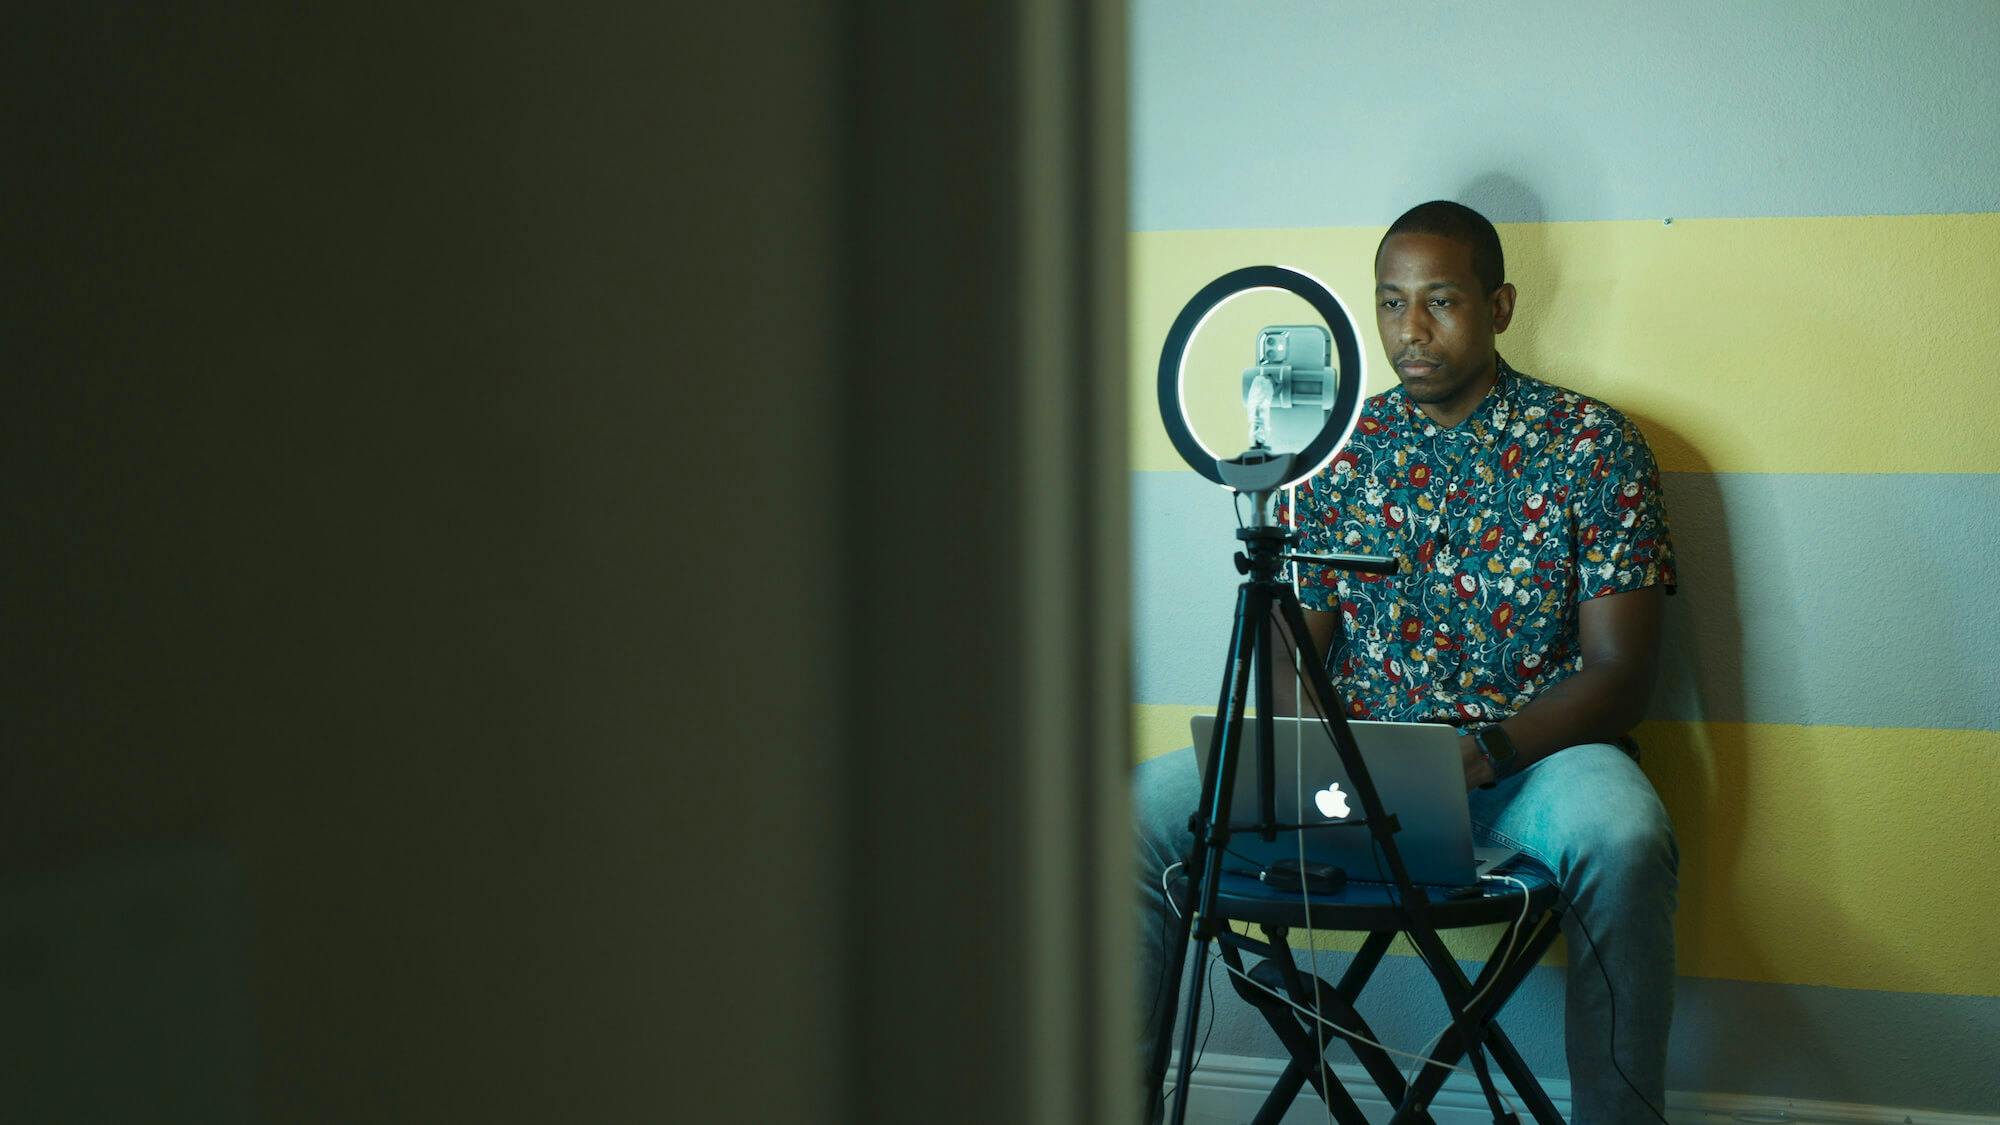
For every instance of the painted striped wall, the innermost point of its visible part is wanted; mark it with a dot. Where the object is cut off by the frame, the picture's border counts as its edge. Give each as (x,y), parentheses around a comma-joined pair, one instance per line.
(1812,346)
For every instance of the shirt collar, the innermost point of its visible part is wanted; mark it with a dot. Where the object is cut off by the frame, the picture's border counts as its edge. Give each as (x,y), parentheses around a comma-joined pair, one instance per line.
(1486,424)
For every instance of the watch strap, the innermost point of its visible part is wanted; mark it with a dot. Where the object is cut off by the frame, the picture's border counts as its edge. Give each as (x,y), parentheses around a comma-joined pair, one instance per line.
(1498,750)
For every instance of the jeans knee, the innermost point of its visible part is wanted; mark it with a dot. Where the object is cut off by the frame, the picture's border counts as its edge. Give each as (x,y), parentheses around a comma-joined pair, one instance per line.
(1638,851)
(1164,793)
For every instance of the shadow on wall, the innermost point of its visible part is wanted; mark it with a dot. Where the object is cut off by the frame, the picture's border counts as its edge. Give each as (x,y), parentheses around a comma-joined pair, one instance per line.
(1700,771)
(1504,199)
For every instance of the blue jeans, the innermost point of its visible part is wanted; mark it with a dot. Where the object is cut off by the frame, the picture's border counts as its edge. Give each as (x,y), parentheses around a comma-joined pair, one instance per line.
(1589,816)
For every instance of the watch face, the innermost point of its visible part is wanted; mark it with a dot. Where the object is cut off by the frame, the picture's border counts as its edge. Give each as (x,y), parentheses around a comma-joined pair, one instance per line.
(1497,745)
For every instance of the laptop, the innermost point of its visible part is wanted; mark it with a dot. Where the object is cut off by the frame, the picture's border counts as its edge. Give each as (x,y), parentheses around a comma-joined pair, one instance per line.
(1419,777)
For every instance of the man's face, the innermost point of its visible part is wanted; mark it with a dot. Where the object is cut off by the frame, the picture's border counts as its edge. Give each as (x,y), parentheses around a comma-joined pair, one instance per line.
(1438,323)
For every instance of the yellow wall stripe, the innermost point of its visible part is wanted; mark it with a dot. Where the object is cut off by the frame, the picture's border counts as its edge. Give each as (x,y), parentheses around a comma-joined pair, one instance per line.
(1852,857)
(1800,345)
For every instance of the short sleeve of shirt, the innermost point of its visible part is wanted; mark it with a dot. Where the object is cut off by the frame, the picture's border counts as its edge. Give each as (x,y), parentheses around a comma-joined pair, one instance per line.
(1621,519)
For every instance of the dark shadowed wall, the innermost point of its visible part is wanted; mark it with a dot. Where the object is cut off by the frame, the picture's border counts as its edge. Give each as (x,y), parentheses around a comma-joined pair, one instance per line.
(467,510)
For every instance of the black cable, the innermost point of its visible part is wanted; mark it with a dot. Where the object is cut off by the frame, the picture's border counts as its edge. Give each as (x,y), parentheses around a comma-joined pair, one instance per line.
(1208,975)
(1241,858)
(1159,988)
(1612,1046)
(1160,983)
(1203,1049)
(1602,972)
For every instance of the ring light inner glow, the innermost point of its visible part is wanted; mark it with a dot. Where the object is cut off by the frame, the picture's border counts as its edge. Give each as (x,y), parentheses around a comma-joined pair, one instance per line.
(1222,377)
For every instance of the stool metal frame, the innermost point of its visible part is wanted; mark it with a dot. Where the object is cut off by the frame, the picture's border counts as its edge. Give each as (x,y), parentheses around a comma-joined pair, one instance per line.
(1374,908)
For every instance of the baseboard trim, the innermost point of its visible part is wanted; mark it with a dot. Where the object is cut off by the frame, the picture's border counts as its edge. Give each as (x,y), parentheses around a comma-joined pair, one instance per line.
(1228,1089)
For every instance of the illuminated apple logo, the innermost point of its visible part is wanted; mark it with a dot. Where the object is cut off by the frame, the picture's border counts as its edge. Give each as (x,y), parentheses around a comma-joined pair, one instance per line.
(1331,801)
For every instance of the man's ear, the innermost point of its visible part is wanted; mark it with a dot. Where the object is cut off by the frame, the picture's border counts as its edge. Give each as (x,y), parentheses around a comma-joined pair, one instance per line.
(1503,307)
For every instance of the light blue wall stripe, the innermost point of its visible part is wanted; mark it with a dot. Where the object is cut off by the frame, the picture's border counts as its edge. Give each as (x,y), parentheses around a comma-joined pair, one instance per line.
(1832,1044)
(1844,599)
(1303,113)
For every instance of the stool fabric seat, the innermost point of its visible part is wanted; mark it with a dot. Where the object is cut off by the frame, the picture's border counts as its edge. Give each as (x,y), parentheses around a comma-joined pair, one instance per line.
(1371,905)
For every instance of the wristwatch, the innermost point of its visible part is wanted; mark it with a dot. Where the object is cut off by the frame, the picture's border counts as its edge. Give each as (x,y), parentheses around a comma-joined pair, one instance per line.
(1498,750)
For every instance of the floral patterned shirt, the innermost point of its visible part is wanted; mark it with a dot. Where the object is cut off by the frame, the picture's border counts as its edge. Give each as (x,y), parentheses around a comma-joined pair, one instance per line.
(1506,523)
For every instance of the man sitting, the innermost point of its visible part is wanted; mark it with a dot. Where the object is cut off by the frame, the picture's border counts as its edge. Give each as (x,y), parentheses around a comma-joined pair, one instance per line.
(1538,561)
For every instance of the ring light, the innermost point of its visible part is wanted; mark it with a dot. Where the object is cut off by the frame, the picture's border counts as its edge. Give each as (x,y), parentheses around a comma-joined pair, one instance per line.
(1273,469)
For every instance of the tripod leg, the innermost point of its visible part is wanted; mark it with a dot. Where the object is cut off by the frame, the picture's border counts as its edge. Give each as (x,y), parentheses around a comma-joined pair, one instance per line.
(1210,823)
(1523,1079)
(1480,1068)
(1267,788)
(1253,610)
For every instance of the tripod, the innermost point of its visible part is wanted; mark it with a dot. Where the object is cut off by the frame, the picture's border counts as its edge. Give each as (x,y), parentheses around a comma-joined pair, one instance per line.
(1262,592)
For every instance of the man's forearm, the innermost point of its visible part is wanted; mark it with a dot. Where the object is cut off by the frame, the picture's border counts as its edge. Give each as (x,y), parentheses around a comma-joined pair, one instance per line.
(1601,703)
(1288,688)
(1286,683)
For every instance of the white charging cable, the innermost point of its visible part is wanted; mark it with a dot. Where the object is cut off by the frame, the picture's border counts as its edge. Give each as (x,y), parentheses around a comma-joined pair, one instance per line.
(1299,774)
(1513,934)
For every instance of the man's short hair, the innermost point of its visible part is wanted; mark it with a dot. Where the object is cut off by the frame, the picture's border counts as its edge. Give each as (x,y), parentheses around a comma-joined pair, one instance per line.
(1456,221)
